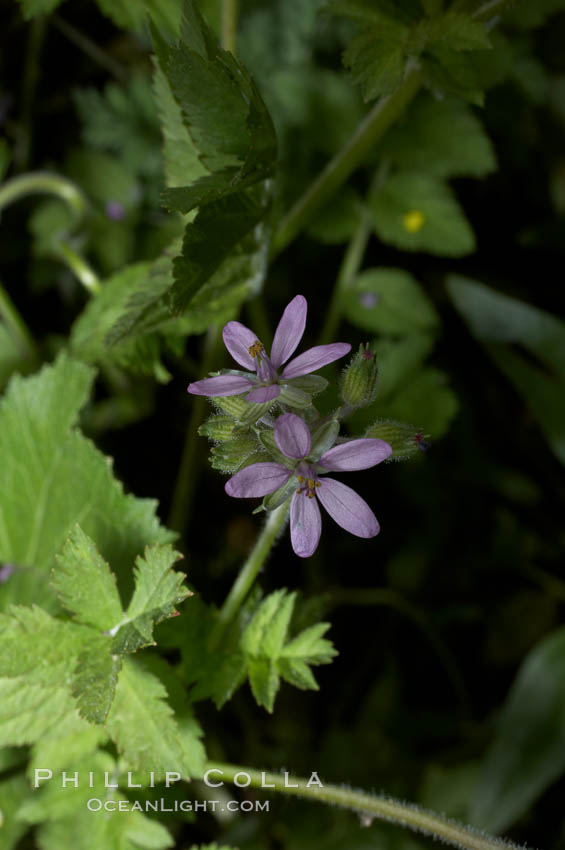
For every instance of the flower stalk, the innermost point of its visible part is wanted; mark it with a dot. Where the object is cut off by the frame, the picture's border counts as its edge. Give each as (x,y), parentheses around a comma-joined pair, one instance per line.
(374,806)
(250,570)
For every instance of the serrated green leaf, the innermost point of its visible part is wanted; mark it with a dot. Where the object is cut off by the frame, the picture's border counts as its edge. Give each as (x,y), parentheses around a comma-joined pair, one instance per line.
(264,680)
(66,744)
(311,646)
(252,638)
(85,584)
(142,725)
(29,711)
(216,232)
(38,646)
(417,212)
(528,751)
(457,31)
(391,301)
(297,673)
(66,478)
(440,137)
(182,164)
(94,680)
(158,590)
(377,59)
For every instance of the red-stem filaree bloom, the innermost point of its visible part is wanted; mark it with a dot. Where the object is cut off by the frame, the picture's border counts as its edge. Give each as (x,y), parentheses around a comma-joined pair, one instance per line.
(349,510)
(262,382)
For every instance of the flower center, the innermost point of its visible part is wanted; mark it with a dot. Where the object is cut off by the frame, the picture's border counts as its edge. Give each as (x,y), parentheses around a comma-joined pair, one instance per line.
(256,348)
(309,487)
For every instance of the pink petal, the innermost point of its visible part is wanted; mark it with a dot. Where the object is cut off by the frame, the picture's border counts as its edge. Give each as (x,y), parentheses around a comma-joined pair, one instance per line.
(315,358)
(305,525)
(292,435)
(220,385)
(289,330)
(347,508)
(262,394)
(259,479)
(238,339)
(355,454)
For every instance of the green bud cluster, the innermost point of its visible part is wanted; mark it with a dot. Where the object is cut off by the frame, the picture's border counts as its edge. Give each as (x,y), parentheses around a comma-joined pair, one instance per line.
(358,386)
(406,440)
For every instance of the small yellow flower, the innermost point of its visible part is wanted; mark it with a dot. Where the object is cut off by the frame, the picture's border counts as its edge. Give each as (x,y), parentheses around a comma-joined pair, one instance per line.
(413,221)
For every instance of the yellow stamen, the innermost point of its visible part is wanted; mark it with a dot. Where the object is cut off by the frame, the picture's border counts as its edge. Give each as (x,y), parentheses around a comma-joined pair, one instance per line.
(413,221)
(256,348)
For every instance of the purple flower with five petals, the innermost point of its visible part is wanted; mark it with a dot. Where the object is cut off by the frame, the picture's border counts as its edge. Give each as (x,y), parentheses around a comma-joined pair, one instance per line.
(349,510)
(263,382)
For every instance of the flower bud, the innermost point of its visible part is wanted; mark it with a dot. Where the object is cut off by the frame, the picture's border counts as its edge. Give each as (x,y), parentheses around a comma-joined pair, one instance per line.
(244,412)
(233,455)
(359,379)
(405,440)
(217,428)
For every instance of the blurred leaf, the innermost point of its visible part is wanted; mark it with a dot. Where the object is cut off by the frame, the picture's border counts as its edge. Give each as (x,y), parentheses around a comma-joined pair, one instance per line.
(528,751)
(132,14)
(31,8)
(338,219)
(13,790)
(427,399)
(389,301)
(495,317)
(497,321)
(51,476)
(417,212)
(457,31)
(377,58)
(531,15)
(104,179)
(440,137)
(121,120)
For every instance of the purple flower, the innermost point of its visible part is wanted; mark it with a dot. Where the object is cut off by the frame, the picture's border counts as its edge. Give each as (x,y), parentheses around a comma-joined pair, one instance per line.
(115,210)
(263,382)
(6,571)
(349,510)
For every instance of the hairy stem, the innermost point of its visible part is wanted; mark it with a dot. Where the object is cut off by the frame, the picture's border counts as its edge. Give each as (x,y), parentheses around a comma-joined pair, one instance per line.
(372,128)
(79,267)
(244,582)
(374,806)
(91,49)
(350,265)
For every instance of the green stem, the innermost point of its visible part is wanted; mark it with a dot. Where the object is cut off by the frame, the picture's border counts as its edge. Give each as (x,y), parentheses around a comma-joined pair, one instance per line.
(36,37)
(373,806)
(372,128)
(91,49)
(39,182)
(351,263)
(79,266)
(229,25)
(187,477)
(18,328)
(249,571)
(43,183)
